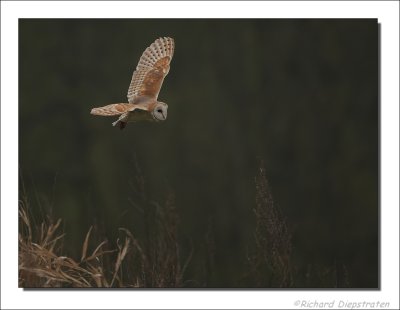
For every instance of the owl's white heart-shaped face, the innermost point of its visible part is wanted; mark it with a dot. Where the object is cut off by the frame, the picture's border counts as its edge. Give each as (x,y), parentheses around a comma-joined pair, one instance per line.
(160,111)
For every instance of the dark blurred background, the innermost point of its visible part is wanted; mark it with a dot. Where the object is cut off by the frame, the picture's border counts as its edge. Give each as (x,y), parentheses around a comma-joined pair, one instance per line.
(301,95)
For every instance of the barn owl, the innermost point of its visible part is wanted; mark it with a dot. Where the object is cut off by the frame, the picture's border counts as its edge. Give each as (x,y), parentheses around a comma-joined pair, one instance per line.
(144,88)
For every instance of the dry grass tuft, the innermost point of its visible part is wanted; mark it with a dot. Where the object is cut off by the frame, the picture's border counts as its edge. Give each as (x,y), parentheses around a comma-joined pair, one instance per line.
(271,264)
(42,265)
(157,264)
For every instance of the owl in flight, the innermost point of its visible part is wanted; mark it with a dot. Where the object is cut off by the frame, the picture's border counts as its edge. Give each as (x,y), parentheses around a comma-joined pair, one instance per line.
(145,85)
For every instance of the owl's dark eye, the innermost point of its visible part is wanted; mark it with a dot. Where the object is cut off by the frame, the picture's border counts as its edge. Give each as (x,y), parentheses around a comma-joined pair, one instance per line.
(159,111)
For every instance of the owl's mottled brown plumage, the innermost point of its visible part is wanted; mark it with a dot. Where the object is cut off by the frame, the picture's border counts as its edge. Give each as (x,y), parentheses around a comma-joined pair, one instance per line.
(145,86)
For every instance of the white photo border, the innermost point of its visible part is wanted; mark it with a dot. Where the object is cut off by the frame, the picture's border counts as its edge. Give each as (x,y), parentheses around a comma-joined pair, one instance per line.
(12,297)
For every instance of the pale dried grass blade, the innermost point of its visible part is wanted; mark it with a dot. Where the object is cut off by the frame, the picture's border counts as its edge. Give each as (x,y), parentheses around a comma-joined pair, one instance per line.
(85,244)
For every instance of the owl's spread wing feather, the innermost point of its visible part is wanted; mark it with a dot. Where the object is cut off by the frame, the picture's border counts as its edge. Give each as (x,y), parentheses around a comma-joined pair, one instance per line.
(115,109)
(151,70)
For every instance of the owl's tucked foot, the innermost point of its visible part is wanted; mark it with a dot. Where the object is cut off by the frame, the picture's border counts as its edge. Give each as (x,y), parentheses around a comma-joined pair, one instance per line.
(121,125)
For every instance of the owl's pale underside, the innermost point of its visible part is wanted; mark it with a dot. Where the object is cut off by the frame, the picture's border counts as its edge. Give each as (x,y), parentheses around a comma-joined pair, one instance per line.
(145,86)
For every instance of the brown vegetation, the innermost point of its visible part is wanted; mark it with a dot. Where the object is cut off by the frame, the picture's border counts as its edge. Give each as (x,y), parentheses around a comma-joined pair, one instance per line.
(155,261)
(42,264)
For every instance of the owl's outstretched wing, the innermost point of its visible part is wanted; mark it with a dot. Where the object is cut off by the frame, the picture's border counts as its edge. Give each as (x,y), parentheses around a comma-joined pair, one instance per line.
(114,109)
(151,70)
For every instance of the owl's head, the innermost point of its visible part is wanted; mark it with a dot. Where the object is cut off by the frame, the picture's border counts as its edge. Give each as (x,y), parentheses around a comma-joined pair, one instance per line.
(160,111)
